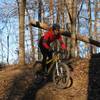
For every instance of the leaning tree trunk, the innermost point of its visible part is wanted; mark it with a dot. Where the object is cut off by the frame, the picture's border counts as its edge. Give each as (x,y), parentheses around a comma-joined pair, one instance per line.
(78,36)
(22,5)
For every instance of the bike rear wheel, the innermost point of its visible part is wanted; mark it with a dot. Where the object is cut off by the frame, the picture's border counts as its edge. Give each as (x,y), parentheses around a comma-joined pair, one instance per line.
(62,79)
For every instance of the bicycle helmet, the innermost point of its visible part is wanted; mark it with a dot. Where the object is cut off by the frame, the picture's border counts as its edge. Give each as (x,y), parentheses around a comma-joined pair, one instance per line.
(55,26)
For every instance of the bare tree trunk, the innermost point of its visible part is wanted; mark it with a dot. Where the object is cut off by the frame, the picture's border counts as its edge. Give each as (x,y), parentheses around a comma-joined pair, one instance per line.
(97,24)
(95,28)
(32,43)
(90,26)
(22,5)
(78,29)
(8,49)
(31,36)
(39,19)
(58,19)
(73,28)
(51,12)
(71,9)
(1,49)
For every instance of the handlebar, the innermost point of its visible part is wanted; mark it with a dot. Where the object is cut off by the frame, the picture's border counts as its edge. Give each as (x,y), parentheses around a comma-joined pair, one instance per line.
(57,51)
(58,55)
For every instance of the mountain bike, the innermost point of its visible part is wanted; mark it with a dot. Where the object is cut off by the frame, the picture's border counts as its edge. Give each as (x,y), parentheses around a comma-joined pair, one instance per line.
(58,70)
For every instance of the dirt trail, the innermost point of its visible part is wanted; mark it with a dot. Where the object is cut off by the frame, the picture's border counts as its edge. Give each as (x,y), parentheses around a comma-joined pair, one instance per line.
(19,84)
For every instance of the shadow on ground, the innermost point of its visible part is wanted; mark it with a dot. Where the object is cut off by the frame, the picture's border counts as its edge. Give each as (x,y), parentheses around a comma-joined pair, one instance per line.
(32,91)
(24,86)
(94,78)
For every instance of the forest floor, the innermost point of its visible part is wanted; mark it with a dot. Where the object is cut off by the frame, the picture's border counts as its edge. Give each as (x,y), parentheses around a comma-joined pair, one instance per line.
(18,83)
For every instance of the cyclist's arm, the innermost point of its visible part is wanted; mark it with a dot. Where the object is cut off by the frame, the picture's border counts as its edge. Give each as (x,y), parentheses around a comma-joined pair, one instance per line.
(45,41)
(61,42)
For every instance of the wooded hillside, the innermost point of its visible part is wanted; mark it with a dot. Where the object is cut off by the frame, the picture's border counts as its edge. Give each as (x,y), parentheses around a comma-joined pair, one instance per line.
(23,22)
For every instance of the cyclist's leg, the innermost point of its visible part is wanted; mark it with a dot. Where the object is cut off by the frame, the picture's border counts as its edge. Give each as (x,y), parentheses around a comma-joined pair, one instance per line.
(49,57)
(44,61)
(44,54)
(49,54)
(44,66)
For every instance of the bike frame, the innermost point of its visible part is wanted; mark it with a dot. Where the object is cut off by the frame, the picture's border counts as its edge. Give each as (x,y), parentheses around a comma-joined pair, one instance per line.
(55,60)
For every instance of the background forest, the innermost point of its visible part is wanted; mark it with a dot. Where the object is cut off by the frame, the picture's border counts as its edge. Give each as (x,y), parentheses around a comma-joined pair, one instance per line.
(22,23)
(19,39)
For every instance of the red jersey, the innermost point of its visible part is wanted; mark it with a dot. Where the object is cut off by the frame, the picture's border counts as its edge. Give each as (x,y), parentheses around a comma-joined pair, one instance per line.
(49,37)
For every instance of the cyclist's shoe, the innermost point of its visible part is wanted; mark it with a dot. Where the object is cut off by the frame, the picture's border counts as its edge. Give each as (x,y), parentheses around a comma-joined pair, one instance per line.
(39,80)
(45,74)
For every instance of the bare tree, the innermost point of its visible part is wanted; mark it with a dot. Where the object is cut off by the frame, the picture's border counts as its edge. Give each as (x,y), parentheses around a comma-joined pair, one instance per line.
(22,5)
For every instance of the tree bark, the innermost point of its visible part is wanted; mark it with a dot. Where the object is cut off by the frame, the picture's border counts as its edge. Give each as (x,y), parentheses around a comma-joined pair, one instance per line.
(73,28)
(51,11)
(22,5)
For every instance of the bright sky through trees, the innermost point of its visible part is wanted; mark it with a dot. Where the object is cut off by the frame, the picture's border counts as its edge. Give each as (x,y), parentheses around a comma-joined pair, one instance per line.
(9,28)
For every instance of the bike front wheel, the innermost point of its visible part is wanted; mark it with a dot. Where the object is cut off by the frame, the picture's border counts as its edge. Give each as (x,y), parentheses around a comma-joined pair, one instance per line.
(61,76)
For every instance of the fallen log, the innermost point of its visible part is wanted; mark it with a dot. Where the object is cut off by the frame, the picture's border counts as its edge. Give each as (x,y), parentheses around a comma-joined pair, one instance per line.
(65,33)
(83,38)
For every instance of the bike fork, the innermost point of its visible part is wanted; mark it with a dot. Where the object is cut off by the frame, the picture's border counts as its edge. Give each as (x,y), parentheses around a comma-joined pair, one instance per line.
(57,69)
(61,70)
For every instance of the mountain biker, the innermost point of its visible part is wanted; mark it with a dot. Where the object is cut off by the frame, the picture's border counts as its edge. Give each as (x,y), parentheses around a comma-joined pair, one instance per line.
(45,41)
